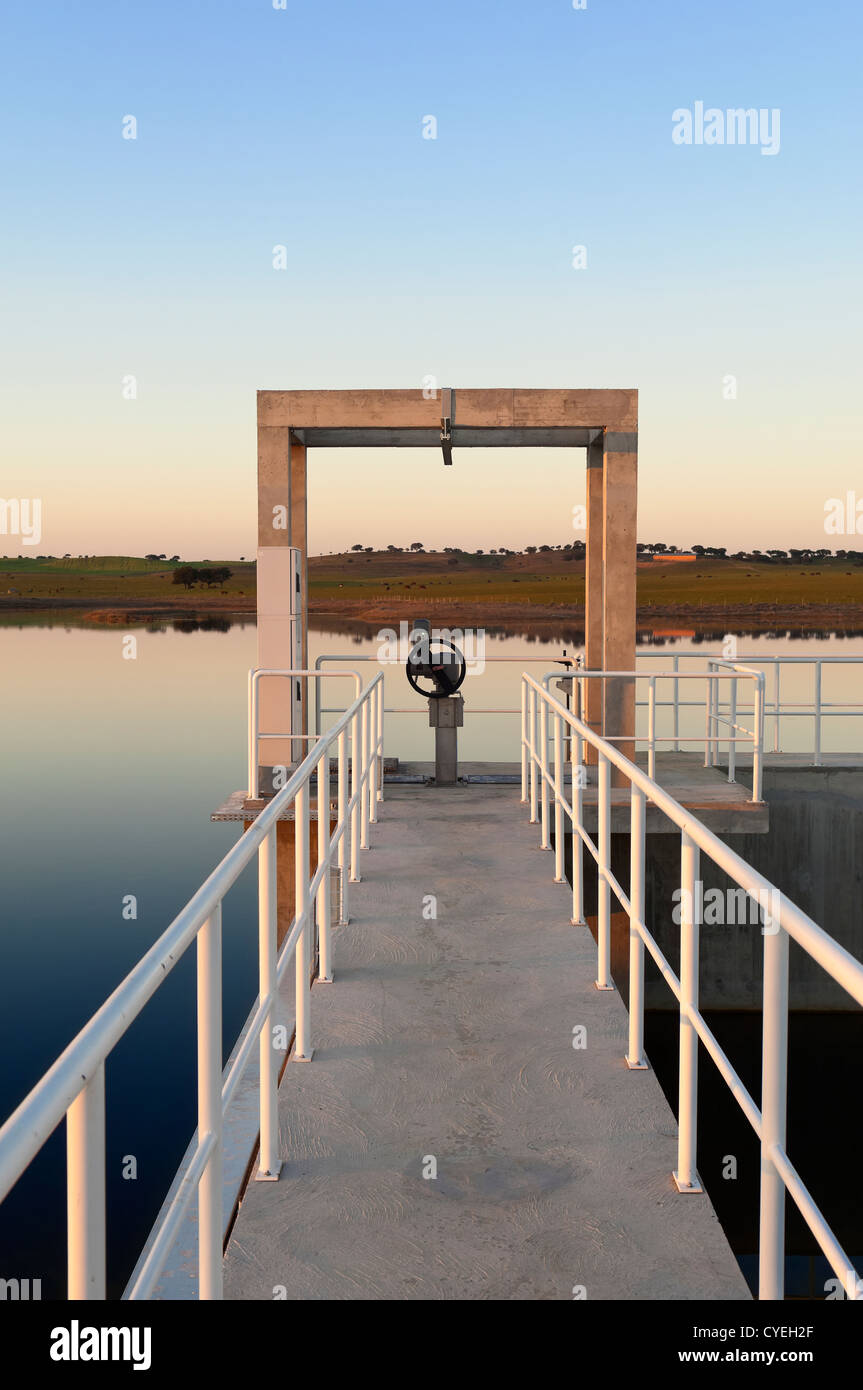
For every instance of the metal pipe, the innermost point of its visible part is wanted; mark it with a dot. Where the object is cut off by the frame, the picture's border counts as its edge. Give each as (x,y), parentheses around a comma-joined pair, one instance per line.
(85,1190)
(707,713)
(210,1221)
(364,778)
(355,798)
(532,724)
(774,1090)
(543,768)
(732,745)
(559,876)
(758,750)
(635,1058)
(817,713)
(303,1046)
(603,933)
(651,727)
(380,740)
(343,825)
(373,763)
(687,1119)
(256,675)
(323,904)
(269,1163)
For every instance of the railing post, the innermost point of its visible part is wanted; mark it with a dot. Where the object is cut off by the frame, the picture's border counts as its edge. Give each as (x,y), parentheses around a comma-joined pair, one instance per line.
(732,719)
(356,759)
(603,929)
(325,968)
(345,827)
(210,1218)
(676,667)
(774,1082)
(708,710)
(380,739)
(302,951)
(685,1175)
(559,876)
(364,776)
(758,749)
(523,742)
(85,1190)
(373,756)
(253,737)
(817,713)
(269,1165)
(543,767)
(533,753)
(635,1058)
(776,674)
(651,728)
(575,837)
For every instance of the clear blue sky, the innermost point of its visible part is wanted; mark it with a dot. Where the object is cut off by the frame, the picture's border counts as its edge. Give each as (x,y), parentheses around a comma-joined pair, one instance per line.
(409,257)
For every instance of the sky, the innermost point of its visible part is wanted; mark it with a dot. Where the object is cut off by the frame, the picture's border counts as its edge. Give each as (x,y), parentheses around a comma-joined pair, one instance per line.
(141,309)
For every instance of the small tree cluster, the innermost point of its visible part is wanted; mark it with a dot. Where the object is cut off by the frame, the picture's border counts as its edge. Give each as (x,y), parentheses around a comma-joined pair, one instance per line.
(188,575)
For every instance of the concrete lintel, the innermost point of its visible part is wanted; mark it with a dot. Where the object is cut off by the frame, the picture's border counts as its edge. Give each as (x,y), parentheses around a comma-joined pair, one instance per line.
(486,408)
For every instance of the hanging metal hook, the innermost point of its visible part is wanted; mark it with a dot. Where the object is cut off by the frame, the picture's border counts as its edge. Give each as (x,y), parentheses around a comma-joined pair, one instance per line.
(447,408)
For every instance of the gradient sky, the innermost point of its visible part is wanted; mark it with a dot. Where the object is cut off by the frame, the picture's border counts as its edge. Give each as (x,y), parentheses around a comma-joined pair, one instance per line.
(410,257)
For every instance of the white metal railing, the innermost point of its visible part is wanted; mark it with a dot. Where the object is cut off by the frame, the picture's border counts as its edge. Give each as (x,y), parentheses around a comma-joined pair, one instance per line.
(817,709)
(738,733)
(783,921)
(74,1087)
(775,708)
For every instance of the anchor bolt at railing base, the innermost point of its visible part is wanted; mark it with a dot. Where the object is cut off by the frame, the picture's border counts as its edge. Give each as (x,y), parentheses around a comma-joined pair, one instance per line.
(691,1187)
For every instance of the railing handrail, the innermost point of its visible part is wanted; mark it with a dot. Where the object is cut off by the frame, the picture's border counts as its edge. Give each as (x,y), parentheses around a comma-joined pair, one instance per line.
(256,675)
(79,1068)
(786,920)
(805,931)
(763,708)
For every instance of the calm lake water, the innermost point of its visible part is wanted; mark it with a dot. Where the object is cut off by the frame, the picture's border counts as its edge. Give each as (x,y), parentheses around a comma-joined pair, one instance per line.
(111,768)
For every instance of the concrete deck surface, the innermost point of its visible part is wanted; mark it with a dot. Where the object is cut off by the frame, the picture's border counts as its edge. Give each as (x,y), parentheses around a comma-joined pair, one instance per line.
(451,1038)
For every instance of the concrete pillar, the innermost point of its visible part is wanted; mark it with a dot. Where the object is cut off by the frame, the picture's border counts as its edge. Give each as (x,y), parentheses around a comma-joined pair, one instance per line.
(593,615)
(619,517)
(282,523)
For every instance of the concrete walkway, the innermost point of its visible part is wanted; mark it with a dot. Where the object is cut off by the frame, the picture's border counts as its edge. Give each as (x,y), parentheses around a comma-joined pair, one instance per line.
(446,1043)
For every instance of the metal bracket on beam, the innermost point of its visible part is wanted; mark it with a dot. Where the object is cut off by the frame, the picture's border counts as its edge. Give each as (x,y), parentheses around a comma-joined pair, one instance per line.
(447,416)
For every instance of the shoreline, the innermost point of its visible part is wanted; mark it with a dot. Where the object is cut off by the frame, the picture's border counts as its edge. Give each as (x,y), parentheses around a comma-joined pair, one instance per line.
(376,614)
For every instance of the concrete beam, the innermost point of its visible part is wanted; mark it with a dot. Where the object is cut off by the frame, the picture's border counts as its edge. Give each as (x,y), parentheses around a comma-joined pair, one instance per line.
(481,408)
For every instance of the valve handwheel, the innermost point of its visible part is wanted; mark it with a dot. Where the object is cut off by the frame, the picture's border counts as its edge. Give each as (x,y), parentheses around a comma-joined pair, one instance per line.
(439,663)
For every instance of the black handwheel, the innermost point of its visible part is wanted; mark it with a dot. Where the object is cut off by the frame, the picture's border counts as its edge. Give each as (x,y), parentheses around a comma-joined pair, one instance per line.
(438,662)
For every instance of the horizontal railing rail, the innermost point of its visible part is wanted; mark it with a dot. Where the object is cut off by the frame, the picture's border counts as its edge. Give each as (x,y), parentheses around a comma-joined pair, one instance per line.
(74,1087)
(775,709)
(740,734)
(778,709)
(783,921)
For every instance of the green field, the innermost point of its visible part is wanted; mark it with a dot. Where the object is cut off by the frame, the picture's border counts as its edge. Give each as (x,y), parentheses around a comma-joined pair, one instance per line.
(548,579)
